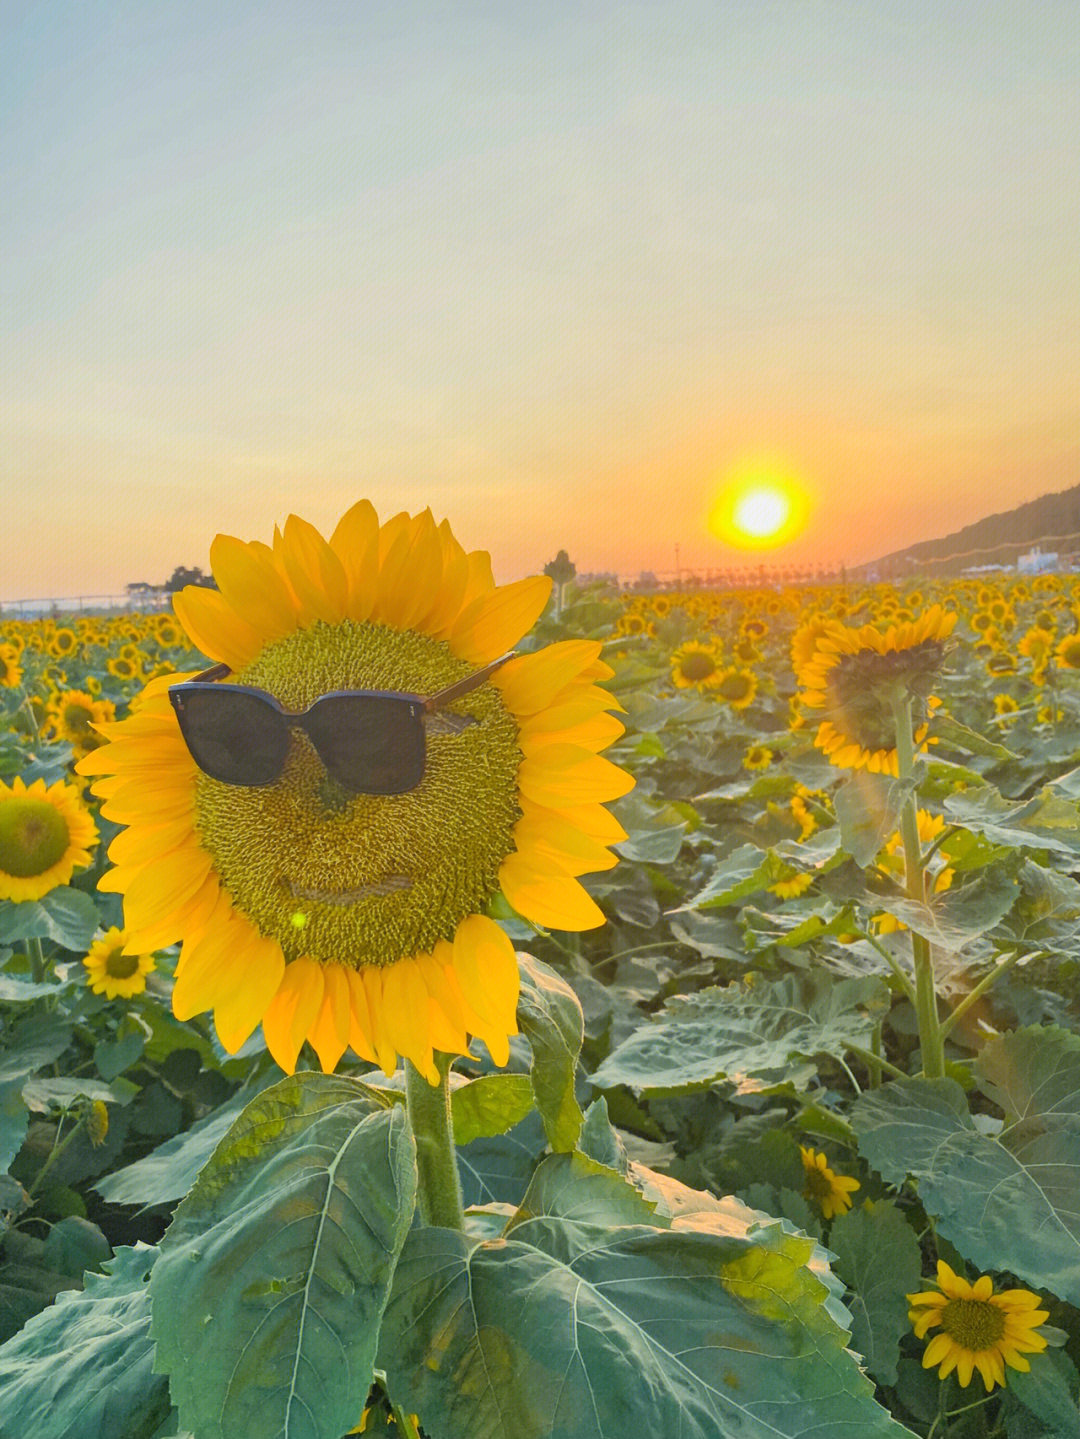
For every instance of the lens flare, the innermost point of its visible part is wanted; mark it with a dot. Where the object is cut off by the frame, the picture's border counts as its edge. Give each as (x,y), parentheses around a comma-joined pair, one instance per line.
(759,508)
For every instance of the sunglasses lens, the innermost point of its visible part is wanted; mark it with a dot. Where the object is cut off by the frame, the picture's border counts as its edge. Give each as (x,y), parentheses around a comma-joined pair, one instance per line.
(233,737)
(371,744)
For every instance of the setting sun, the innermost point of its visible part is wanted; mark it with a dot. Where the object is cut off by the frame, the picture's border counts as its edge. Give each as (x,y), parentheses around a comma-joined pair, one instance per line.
(759,509)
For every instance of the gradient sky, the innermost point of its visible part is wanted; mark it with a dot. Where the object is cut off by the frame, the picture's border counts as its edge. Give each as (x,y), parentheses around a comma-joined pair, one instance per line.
(555,270)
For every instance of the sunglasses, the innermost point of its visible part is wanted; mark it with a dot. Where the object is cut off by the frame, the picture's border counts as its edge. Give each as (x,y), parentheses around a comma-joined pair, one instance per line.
(370,741)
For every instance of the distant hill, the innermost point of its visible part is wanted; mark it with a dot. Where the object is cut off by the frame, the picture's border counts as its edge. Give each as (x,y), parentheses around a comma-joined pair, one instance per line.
(1052,521)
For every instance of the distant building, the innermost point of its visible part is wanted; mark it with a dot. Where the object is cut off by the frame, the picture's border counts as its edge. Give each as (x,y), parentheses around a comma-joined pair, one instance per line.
(1036,562)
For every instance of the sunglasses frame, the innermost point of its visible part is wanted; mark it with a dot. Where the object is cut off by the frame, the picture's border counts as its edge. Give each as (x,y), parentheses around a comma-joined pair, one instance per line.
(420,706)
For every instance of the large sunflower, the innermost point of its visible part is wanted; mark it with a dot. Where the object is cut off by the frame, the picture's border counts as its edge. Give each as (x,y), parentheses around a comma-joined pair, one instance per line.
(353,918)
(854,675)
(46,834)
(978,1328)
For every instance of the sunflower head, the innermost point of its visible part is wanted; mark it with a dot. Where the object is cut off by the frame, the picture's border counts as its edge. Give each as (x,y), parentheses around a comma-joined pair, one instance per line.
(112,972)
(978,1329)
(326,910)
(830,1192)
(696,665)
(46,834)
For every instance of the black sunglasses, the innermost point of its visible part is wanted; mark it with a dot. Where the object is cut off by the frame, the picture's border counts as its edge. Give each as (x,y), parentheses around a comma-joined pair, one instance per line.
(370,741)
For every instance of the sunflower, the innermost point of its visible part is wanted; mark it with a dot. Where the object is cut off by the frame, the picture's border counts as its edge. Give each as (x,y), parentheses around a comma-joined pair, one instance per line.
(46,834)
(938,876)
(10,669)
(112,972)
(854,675)
(355,918)
(979,1329)
(72,715)
(796,883)
(695,666)
(1067,652)
(1005,705)
(757,757)
(830,1192)
(738,687)
(62,642)
(122,668)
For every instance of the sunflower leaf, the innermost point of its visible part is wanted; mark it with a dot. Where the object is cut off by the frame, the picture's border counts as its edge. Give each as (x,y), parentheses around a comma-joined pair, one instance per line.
(490,1105)
(84,1366)
(1007,1200)
(741,1030)
(868,807)
(65,915)
(273,1276)
(552,1021)
(565,1329)
(877,1255)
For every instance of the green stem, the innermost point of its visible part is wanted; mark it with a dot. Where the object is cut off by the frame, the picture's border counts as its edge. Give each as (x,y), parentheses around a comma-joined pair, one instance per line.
(931,1039)
(870,1059)
(875,1049)
(55,1152)
(974,995)
(37,958)
(439,1192)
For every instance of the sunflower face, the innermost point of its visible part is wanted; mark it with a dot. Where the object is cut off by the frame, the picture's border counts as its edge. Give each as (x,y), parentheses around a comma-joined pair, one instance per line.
(830,1192)
(113,973)
(45,835)
(978,1330)
(354,919)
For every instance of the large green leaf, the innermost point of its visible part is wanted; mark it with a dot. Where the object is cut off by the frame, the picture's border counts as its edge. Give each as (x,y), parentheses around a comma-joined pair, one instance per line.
(574,1331)
(741,1030)
(1046,821)
(747,871)
(1009,1200)
(68,916)
(83,1368)
(489,1105)
(877,1255)
(552,1021)
(572,1186)
(273,1276)
(868,807)
(954,918)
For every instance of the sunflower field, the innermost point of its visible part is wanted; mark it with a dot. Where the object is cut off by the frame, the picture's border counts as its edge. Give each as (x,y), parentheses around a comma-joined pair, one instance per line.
(723,1084)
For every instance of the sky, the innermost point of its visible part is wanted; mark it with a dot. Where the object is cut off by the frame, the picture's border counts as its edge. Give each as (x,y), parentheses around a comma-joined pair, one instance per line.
(556,271)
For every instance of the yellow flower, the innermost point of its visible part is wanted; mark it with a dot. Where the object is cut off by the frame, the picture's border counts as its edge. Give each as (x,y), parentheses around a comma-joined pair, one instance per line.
(695,666)
(113,973)
(757,757)
(350,918)
(46,834)
(1067,652)
(979,1329)
(798,882)
(10,669)
(853,674)
(738,687)
(72,715)
(830,1192)
(62,642)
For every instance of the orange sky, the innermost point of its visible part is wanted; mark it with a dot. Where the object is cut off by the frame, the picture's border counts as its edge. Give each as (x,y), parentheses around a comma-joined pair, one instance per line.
(556,275)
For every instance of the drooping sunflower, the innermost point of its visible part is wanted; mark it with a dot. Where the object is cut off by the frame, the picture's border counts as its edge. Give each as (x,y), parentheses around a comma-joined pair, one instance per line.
(853,674)
(111,971)
(355,918)
(979,1329)
(46,834)
(695,665)
(830,1192)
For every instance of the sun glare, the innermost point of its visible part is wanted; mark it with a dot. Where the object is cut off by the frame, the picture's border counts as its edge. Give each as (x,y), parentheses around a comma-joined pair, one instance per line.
(759,510)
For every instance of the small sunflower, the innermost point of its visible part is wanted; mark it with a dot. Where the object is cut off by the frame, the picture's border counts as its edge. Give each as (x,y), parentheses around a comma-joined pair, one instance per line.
(1067,652)
(72,715)
(122,667)
(830,1192)
(854,674)
(1005,705)
(979,1329)
(758,756)
(46,834)
(797,882)
(62,642)
(359,919)
(113,973)
(737,687)
(695,666)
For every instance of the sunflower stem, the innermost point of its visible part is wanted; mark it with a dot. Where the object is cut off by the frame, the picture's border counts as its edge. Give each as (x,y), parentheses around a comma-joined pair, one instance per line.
(37,958)
(931,1039)
(439,1188)
(974,995)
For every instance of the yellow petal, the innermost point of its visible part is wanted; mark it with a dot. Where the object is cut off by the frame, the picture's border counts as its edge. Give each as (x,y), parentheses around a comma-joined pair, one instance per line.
(254,586)
(214,627)
(316,574)
(486,968)
(554,901)
(355,541)
(592,819)
(292,1011)
(385,1053)
(555,843)
(494,623)
(359,1017)
(530,682)
(405,1013)
(564,775)
(329,1034)
(592,734)
(256,973)
(163,888)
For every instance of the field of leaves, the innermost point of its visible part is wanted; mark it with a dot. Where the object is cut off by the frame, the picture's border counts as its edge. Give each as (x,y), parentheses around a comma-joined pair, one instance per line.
(801,1009)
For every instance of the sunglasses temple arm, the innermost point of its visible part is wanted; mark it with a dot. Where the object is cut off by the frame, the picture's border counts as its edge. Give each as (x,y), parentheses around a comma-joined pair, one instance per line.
(465,686)
(215,672)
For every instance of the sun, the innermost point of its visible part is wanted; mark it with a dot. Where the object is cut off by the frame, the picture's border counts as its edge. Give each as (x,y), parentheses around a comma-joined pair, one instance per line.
(759,508)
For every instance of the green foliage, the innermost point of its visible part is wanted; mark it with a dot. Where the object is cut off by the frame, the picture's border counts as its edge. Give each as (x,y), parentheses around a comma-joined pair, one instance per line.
(877,1256)
(272,1278)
